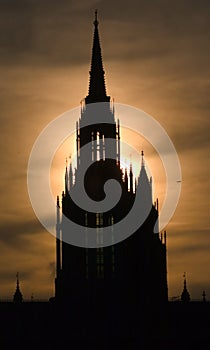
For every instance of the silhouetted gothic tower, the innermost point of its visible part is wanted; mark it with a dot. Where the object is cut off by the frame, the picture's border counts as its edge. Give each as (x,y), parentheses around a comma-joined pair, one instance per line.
(130,275)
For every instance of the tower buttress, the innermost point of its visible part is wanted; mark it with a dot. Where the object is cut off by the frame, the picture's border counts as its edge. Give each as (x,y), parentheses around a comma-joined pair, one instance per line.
(58,240)
(126,179)
(70,176)
(118,142)
(66,180)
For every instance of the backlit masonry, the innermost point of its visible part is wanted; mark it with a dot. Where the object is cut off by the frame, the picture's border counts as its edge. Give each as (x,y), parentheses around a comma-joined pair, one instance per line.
(130,275)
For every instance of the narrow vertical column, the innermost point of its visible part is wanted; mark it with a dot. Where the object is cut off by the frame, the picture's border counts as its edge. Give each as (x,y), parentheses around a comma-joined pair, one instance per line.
(101,146)
(92,146)
(70,177)
(98,146)
(86,249)
(103,149)
(131,179)
(118,142)
(135,184)
(66,180)
(156,228)
(126,180)
(95,146)
(78,143)
(58,240)
(113,246)
(165,238)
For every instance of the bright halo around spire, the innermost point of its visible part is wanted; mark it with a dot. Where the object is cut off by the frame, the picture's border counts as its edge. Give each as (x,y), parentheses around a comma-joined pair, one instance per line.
(43,152)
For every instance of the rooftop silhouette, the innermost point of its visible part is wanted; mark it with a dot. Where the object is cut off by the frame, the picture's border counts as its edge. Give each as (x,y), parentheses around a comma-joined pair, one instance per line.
(112,296)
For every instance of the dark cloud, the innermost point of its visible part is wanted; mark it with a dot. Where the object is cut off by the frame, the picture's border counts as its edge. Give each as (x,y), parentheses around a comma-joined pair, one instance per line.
(43,32)
(192,138)
(10,276)
(17,233)
(190,241)
(37,31)
(52,269)
(190,249)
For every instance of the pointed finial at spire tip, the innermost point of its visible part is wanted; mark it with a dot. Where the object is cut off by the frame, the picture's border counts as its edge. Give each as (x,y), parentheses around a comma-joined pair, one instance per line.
(142,158)
(17,279)
(96,18)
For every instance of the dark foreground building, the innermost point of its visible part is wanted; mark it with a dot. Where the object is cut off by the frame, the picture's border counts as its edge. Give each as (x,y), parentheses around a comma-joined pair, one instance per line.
(112,296)
(126,275)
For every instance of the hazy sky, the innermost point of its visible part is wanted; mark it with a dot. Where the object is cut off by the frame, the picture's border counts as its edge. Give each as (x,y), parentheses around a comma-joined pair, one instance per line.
(156,57)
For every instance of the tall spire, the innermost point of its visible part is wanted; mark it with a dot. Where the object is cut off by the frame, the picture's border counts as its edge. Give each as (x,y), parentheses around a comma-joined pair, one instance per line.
(97,88)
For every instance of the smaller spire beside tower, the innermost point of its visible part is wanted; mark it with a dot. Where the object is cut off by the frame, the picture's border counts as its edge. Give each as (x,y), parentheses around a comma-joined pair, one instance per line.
(185,297)
(204,296)
(18,297)
(70,176)
(131,178)
(66,179)
(126,179)
(143,172)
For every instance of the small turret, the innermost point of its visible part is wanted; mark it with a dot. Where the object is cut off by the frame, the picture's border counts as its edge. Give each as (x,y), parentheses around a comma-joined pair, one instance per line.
(185,297)
(18,297)
(66,179)
(204,296)
(144,183)
(131,178)
(70,176)
(126,179)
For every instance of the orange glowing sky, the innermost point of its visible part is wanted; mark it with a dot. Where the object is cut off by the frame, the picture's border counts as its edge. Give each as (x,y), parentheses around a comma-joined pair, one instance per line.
(156,58)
